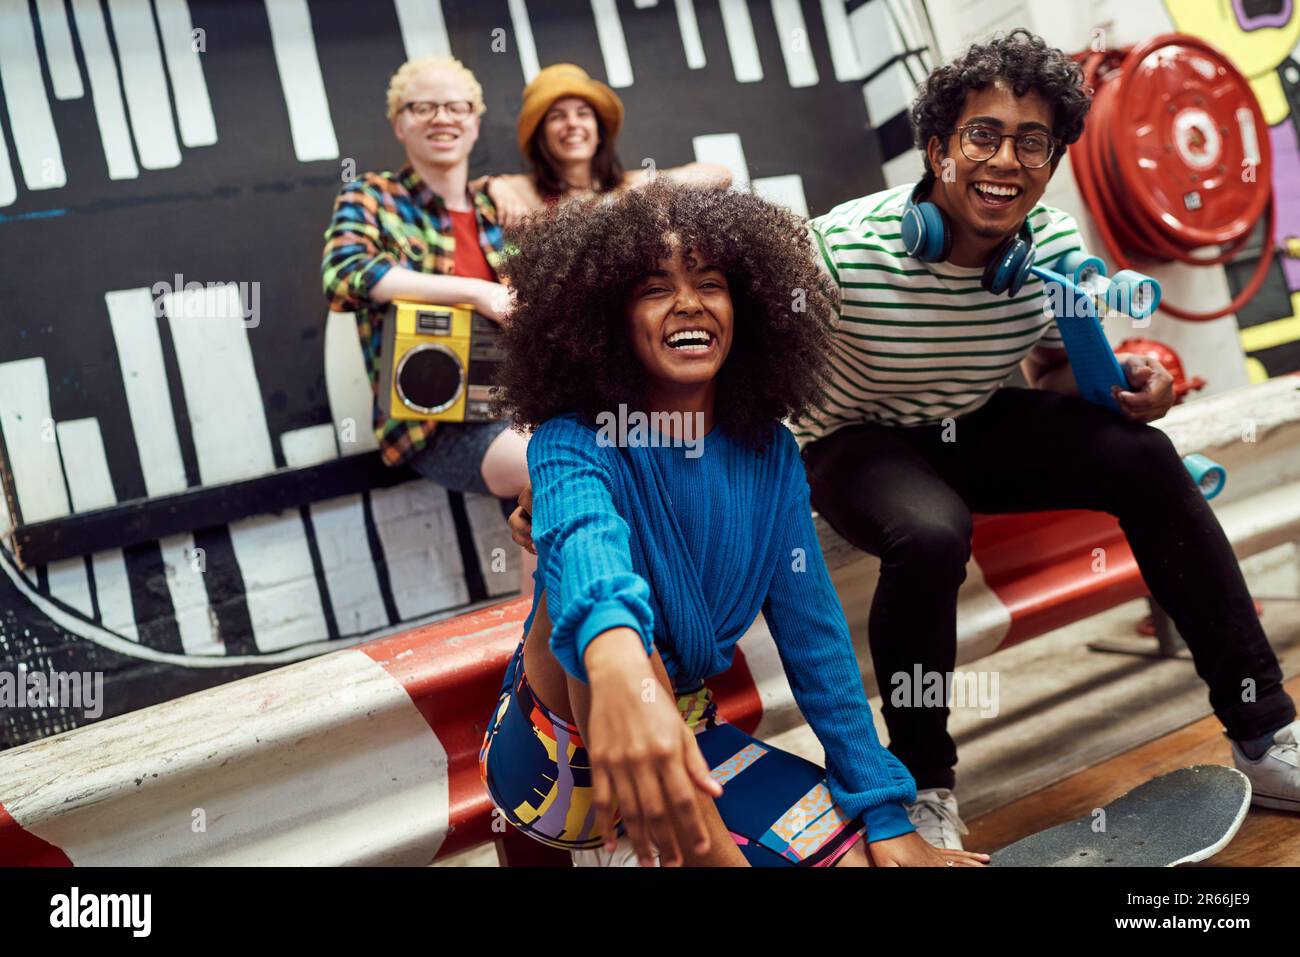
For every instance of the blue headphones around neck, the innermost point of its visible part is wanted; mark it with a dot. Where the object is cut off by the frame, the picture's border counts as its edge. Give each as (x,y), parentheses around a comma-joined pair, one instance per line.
(927,234)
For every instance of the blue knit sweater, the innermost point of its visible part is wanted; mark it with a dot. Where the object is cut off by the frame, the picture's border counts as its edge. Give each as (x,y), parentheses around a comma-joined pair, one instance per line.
(686,551)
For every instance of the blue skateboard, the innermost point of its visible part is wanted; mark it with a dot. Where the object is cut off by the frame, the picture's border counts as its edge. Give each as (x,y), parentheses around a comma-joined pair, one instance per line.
(1077,293)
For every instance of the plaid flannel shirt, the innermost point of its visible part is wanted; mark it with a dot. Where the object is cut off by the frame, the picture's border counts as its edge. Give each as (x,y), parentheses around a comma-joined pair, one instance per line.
(380,221)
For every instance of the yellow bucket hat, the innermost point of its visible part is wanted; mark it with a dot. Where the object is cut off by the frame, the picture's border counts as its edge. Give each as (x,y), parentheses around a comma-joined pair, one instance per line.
(561,80)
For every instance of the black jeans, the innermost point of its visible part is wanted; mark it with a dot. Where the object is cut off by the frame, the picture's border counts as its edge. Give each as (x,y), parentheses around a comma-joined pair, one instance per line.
(906,495)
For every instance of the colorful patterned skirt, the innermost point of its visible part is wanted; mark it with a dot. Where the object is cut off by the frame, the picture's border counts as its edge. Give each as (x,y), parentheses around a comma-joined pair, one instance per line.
(775,804)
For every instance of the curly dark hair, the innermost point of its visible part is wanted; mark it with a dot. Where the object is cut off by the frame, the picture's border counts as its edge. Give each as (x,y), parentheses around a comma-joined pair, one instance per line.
(1025,62)
(573,267)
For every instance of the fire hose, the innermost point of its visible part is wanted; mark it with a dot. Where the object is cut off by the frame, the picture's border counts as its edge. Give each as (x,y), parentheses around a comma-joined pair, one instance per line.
(1175,158)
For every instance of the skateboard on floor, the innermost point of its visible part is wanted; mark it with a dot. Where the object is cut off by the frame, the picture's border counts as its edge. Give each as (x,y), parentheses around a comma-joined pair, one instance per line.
(1184,816)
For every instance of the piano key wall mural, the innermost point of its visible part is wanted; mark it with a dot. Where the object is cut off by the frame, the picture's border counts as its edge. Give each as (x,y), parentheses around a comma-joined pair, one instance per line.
(166,172)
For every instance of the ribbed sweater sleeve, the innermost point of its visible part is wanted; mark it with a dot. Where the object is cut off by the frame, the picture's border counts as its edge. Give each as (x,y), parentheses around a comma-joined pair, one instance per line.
(807,623)
(582,543)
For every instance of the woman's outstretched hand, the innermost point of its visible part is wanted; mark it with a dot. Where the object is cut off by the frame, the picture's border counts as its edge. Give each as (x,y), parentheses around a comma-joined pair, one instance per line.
(912,850)
(645,764)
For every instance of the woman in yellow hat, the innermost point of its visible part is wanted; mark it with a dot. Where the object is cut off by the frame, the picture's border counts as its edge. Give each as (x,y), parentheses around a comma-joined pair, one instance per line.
(567,127)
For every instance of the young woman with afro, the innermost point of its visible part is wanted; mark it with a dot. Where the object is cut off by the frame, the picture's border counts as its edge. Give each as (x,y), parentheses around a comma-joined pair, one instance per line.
(653,562)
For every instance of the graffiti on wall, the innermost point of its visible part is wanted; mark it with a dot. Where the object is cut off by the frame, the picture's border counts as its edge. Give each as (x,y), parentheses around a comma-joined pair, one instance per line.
(147,146)
(1261,37)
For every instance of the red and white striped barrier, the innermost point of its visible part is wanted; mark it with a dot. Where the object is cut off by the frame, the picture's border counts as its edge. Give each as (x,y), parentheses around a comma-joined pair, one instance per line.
(369,755)
(362,756)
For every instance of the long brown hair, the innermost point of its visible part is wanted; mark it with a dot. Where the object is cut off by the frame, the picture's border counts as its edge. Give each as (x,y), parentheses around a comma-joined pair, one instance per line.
(606,167)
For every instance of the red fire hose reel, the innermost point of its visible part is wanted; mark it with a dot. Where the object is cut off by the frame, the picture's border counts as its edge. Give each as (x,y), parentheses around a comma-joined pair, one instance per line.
(1175,157)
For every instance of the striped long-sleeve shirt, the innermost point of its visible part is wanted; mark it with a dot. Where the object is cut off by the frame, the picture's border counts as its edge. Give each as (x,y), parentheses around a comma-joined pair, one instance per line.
(919,342)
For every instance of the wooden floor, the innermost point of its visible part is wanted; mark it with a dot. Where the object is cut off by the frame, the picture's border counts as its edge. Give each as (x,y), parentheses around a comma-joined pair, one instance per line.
(1266,839)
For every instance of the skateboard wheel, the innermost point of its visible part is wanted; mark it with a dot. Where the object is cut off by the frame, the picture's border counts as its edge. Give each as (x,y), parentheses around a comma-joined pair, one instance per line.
(1080,267)
(1133,294)
(1209,475)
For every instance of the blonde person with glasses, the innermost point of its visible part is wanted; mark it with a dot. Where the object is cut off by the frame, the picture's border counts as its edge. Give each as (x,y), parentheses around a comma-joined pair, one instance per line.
(422,233)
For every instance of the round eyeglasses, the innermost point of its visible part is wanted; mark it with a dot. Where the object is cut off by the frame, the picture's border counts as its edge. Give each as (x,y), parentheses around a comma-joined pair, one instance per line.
(425,109)
(980,143)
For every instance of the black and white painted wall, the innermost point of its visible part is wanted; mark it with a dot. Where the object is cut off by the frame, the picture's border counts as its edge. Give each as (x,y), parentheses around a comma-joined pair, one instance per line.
(147,142)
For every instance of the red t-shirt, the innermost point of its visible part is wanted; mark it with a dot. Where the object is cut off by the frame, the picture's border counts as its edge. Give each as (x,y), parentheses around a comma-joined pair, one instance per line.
(470,260)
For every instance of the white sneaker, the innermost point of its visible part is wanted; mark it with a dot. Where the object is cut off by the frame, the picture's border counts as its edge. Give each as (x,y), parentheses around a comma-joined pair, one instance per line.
(1275,777)
(935,817)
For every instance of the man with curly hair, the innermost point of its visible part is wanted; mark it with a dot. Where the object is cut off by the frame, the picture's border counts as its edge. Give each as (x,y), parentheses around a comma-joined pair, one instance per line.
(914,433)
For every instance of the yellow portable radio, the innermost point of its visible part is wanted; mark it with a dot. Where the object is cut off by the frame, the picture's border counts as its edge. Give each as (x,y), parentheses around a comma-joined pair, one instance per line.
(437,363)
